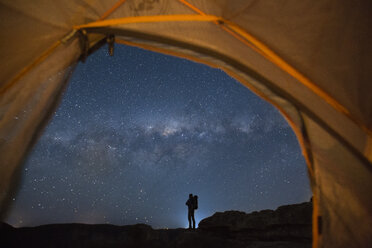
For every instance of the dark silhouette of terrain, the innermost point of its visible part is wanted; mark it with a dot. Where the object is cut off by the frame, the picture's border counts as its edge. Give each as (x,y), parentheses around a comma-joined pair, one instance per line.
(288,226)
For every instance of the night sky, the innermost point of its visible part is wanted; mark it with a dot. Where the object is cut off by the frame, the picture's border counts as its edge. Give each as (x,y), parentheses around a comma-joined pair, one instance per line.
(137,132)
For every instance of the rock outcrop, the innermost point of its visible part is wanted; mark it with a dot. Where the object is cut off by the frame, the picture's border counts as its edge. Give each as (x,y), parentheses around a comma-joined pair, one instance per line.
(290,222)
(288,226)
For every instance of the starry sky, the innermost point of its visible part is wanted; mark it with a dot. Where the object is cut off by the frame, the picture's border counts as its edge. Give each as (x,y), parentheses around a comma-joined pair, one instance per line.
(137,132)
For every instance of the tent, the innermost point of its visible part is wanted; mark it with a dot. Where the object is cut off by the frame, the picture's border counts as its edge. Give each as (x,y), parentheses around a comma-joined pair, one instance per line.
(310,59)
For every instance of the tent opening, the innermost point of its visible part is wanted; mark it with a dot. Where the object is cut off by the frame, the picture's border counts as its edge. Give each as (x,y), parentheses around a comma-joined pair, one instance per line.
(137,132)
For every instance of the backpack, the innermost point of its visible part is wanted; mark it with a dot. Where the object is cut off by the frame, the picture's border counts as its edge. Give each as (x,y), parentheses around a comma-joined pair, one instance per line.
(195,202)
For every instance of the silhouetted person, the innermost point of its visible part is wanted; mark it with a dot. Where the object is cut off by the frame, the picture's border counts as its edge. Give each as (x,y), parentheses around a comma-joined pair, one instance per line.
(191,208)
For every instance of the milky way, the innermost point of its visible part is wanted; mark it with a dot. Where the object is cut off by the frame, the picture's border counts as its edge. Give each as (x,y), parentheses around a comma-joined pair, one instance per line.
(137,132)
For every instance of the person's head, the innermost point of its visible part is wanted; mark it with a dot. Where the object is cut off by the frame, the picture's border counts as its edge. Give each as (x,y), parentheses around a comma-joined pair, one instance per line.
(190,195)
(195,196)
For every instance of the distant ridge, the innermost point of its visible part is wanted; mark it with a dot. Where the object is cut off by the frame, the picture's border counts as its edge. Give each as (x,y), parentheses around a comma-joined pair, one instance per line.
(288,226)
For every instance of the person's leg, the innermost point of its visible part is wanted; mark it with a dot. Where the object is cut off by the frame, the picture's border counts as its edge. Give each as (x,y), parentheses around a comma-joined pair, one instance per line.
(189,218)
(193,219)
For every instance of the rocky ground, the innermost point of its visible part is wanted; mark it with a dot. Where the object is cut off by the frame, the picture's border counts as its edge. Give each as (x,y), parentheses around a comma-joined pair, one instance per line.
(288,226)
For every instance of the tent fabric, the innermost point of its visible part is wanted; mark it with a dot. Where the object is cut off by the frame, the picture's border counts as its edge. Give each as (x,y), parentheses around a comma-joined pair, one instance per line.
(309,59)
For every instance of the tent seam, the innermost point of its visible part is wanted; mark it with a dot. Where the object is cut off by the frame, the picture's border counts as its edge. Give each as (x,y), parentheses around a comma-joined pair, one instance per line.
(149,19)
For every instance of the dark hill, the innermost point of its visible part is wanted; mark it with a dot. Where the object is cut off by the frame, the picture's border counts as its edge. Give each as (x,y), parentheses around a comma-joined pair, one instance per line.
(288,226)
